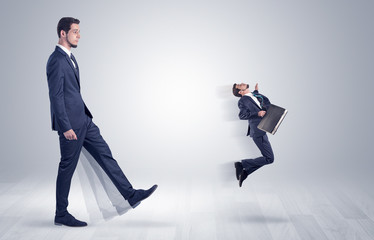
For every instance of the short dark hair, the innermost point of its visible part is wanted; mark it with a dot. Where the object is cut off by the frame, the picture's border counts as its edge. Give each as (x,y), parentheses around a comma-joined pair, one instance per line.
(65,24)
(236,91)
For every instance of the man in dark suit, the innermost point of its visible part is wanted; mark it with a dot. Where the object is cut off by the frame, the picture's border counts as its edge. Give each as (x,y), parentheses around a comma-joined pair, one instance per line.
(73,122)
(253,106)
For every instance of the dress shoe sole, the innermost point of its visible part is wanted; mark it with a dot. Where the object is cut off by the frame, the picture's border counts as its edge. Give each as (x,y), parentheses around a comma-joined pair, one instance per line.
(136,204)
(156,186)
(60,224)
(242,177)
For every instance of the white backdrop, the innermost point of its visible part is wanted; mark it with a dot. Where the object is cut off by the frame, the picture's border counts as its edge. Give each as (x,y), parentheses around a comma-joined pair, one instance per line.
(157,76)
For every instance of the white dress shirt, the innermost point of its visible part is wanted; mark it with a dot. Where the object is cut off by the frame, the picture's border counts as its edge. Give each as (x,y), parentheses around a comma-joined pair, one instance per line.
(254,98)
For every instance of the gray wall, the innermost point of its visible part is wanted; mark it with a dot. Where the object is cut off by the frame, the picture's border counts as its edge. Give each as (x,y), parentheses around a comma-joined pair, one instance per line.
(157,77)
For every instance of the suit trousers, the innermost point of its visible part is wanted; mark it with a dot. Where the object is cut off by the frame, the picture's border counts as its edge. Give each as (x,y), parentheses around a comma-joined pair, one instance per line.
(263,144)
(88,136)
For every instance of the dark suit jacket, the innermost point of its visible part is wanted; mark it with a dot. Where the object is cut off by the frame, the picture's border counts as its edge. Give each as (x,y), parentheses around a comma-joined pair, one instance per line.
(249,111)
(68,110)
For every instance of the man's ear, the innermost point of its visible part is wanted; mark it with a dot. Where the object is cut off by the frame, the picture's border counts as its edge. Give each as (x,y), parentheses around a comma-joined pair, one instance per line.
(63,33)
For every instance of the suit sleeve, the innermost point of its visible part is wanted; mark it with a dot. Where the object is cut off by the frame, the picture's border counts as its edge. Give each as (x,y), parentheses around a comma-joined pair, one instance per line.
(245,112)
(55,78)
(266,100)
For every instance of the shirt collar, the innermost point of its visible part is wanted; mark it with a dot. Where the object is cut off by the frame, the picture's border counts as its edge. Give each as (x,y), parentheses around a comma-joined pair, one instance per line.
(64,49)
(250,94)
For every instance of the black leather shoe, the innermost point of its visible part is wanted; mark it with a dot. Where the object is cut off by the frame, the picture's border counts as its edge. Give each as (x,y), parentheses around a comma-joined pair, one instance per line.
(140,195)
(69,220)
(239,169)
(242,177)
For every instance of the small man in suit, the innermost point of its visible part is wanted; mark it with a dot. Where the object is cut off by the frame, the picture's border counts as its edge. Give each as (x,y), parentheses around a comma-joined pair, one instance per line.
(73,122)
(253,106)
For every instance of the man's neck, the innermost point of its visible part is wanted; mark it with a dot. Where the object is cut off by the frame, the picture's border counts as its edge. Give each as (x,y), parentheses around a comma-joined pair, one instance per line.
(64,49)
(64,44)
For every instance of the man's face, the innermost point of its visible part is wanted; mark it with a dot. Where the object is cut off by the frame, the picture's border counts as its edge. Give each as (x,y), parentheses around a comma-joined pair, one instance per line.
(73,35)
(242,87)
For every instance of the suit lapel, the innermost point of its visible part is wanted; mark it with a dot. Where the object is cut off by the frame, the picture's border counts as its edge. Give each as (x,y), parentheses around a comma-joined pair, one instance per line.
(72,67)
(76,71)
(253,102)
(76,64)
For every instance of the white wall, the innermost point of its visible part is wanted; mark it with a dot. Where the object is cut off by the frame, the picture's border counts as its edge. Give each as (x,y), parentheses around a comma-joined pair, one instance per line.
(157,76)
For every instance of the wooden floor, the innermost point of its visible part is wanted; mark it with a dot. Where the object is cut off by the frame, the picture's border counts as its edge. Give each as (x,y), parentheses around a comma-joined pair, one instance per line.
(196,210)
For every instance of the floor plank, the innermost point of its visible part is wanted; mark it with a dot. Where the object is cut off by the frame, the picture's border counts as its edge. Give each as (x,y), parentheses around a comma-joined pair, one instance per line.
(307,227)
(193,210)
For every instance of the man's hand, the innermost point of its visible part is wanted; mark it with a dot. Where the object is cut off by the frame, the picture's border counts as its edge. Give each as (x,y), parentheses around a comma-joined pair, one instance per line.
(256,87)
(70,135)
(261,113)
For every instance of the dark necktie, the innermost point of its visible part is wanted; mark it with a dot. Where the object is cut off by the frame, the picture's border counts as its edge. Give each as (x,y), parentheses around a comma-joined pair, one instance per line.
(73,59)
(75,68)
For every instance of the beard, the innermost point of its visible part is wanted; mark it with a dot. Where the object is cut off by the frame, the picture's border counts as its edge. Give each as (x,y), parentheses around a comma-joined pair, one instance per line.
(70,44)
